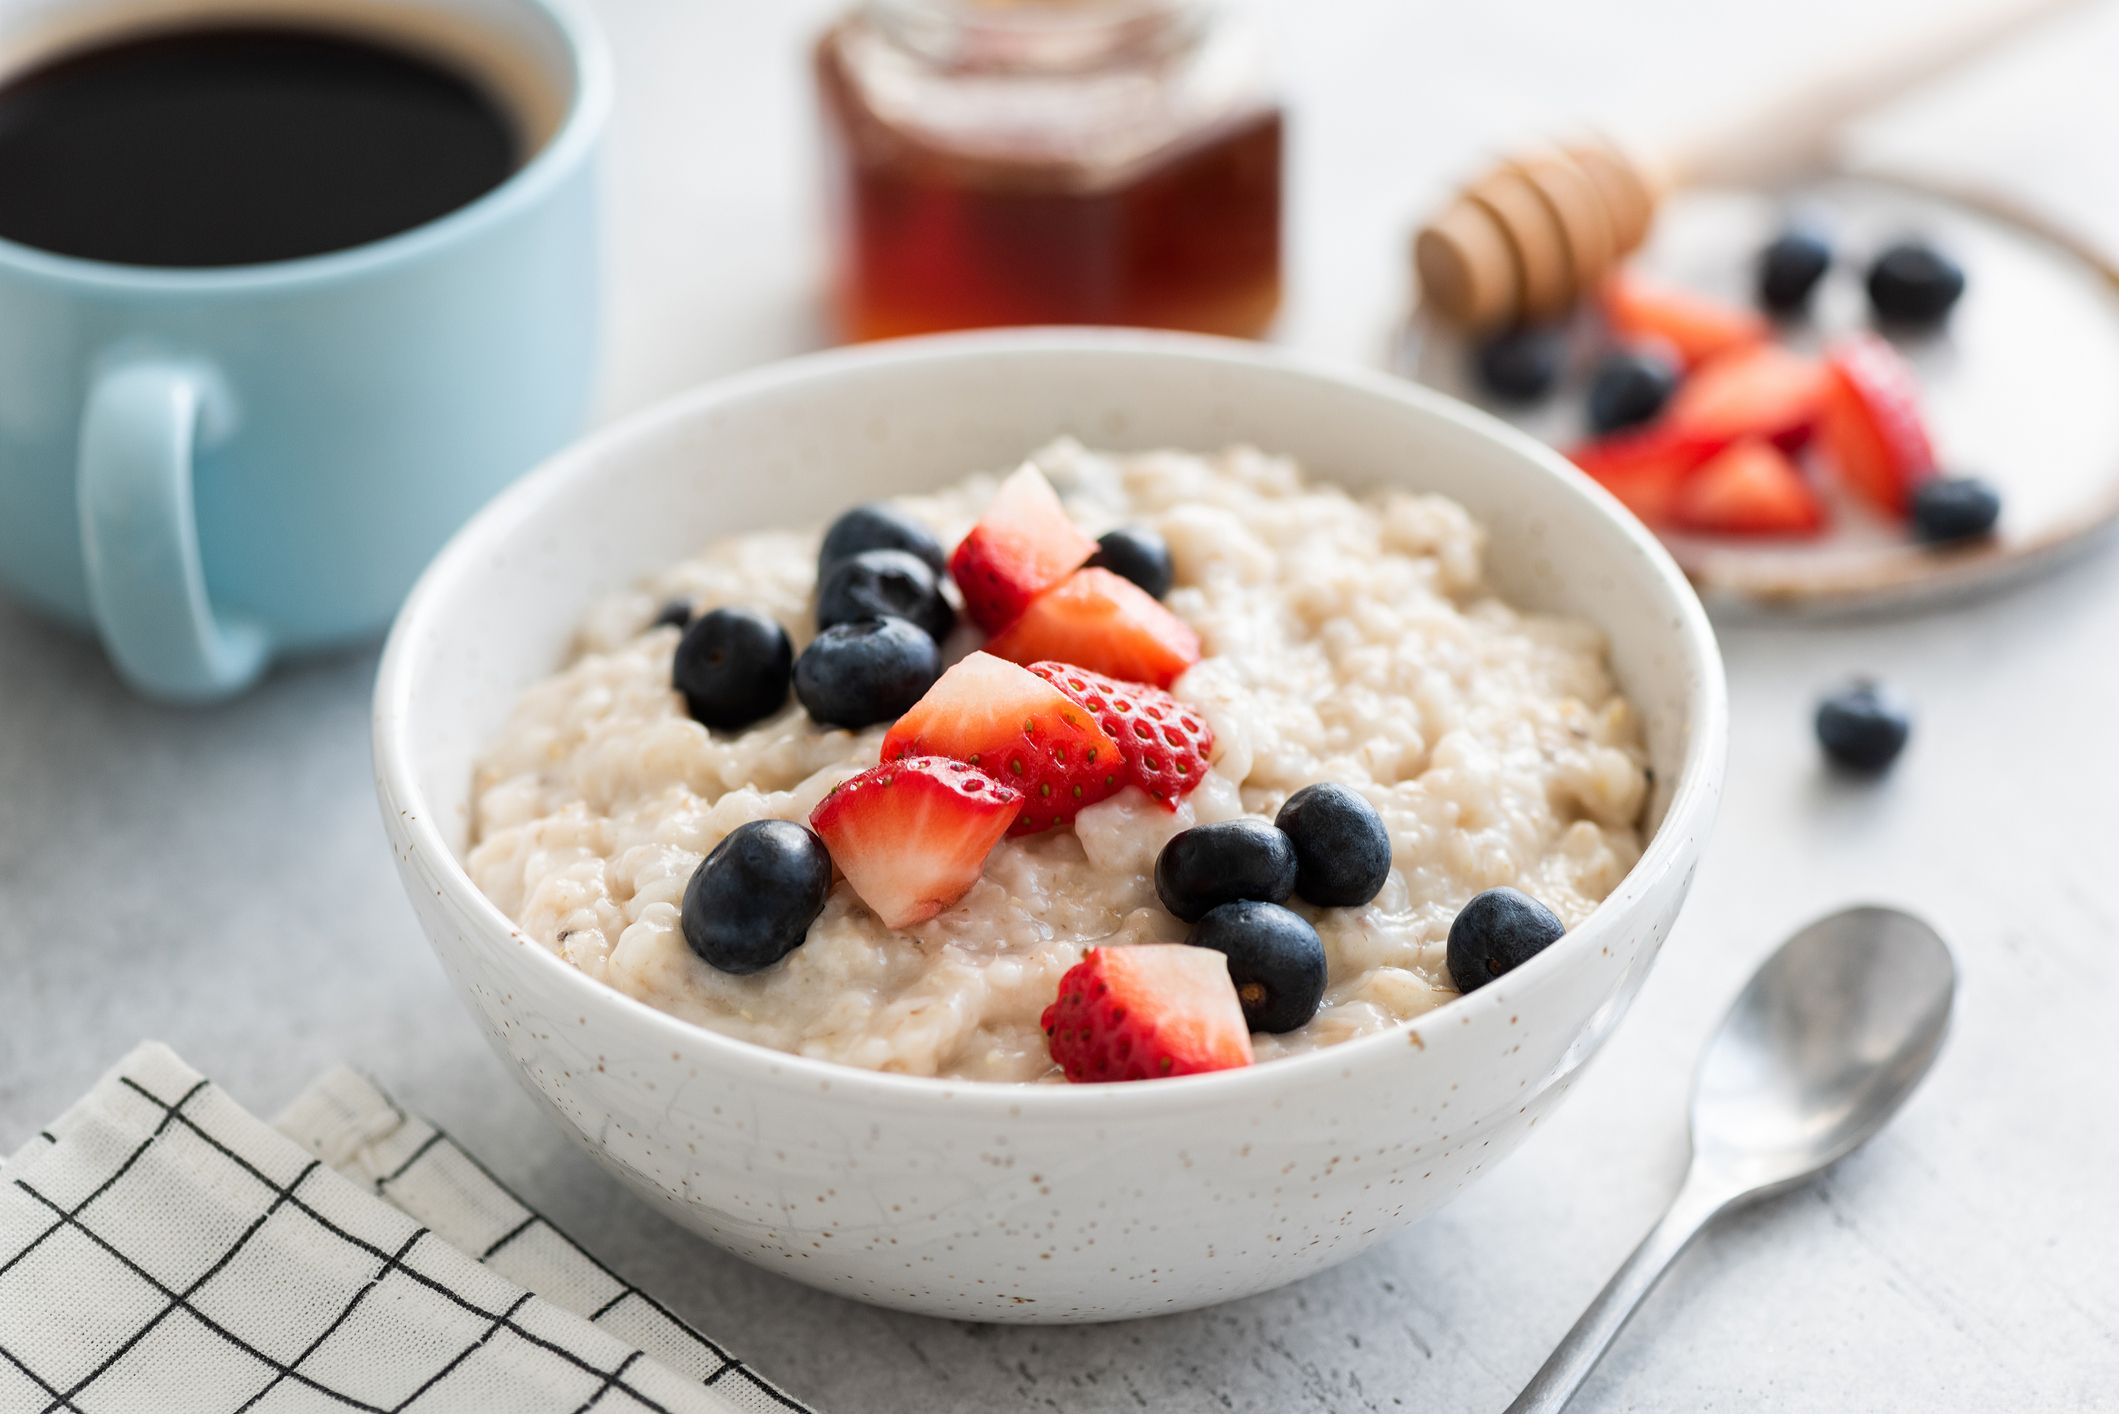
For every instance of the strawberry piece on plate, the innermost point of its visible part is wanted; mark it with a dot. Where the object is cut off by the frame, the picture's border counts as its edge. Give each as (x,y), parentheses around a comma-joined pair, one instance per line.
(1871,430)
(1645,469)
(1105,623)
(1763,391)
(1021,547)
(911,836)
(1147,1011)
(1696,327)
(1165,743)
(1749,488)
(1021,730)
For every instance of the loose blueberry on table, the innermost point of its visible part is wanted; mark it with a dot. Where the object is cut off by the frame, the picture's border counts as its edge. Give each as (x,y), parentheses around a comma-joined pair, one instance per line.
(732,666)
(861,673)
(1495,933)
(1863,727)
(1139,555)
(1209,865)
(752,899)
(874,584)
(1275,959)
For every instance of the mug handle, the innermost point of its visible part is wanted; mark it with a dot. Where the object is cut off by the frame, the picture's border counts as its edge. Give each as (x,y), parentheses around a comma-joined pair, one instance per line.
(140,535)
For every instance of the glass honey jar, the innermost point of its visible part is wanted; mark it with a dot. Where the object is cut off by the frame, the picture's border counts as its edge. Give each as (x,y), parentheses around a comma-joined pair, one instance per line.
(1051,162)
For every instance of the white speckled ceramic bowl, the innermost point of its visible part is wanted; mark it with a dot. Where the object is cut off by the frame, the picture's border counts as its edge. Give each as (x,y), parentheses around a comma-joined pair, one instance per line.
(1026,1203)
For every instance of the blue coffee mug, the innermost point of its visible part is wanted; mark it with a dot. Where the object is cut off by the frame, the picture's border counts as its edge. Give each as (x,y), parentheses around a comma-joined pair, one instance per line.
(214,467)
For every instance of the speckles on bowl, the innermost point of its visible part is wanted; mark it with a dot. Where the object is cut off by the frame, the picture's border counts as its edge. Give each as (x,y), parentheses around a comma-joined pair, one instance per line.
(884,1190)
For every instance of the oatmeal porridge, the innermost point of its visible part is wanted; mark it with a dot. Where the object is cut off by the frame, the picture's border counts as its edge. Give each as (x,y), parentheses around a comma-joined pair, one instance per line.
(1339,639)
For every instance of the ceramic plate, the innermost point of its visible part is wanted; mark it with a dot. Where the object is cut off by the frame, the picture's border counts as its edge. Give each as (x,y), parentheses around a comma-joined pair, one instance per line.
(2021,387)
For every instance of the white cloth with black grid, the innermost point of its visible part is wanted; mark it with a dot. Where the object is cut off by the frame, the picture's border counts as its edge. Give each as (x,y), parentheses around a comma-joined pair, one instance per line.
(163,1250)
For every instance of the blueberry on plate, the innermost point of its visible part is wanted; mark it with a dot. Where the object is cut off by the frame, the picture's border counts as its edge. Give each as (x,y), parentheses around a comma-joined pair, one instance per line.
(1629,387)
(1790,267)
(1496,932)
(1863,728)
(1948,508)
(1342,850)
(1210,865)
(1275,959)
(732,667)
(1138,555)
(1914,283)
(867,671)
(879,527)
(751,901)
(674,614)
(1522,365)
(876,584)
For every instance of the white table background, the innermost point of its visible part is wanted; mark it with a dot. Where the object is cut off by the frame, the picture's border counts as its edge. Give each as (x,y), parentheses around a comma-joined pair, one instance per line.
(217,879)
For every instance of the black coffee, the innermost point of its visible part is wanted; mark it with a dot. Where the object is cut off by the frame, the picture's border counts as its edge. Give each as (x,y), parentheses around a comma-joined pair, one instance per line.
(230,145)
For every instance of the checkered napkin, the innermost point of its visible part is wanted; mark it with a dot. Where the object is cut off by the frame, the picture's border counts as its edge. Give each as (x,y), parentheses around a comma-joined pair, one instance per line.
(163,1250)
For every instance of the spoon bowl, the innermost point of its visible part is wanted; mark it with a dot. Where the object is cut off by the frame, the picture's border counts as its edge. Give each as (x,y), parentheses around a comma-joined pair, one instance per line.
(1823,1045)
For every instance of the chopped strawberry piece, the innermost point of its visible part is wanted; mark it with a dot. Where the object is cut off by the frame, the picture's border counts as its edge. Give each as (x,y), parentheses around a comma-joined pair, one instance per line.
(1763,391)
(911,836)
(1020,548)
(1165,743)
(1871,430)
(1696,327)
(1105,623)
(1147,1011)
(1645,469)
(1021,730)
(1749,488)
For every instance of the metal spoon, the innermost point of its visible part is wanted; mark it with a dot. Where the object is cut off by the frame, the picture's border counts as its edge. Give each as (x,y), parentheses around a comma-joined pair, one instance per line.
(1824,1044)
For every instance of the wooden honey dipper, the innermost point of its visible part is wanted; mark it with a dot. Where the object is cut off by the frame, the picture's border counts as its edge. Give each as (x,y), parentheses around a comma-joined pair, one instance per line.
(1540,229)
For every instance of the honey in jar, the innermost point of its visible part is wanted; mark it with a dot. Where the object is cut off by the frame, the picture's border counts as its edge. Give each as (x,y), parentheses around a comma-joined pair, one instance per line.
(1050,162)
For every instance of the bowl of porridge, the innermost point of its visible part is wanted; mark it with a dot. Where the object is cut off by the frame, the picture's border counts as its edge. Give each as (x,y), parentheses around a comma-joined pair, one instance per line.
(828,789)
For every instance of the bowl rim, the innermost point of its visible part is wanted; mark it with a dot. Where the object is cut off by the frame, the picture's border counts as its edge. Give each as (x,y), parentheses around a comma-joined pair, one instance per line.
(408,812)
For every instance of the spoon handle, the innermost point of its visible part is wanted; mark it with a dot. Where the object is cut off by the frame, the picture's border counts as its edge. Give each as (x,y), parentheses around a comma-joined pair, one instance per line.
(1563,1372)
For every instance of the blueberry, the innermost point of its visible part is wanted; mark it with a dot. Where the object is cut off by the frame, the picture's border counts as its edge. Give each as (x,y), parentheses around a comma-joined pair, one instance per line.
(1914,283)
(1630,387)
(867,671)
(1496,932)
(1790,267)
(732,667)
(1522,365)
(1342,851)
(1947,508)
(1139,555)
(675,614)
(1210,865)
(879,527)
(878,584)
(1862,728)
(751,901)
(1275,959)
